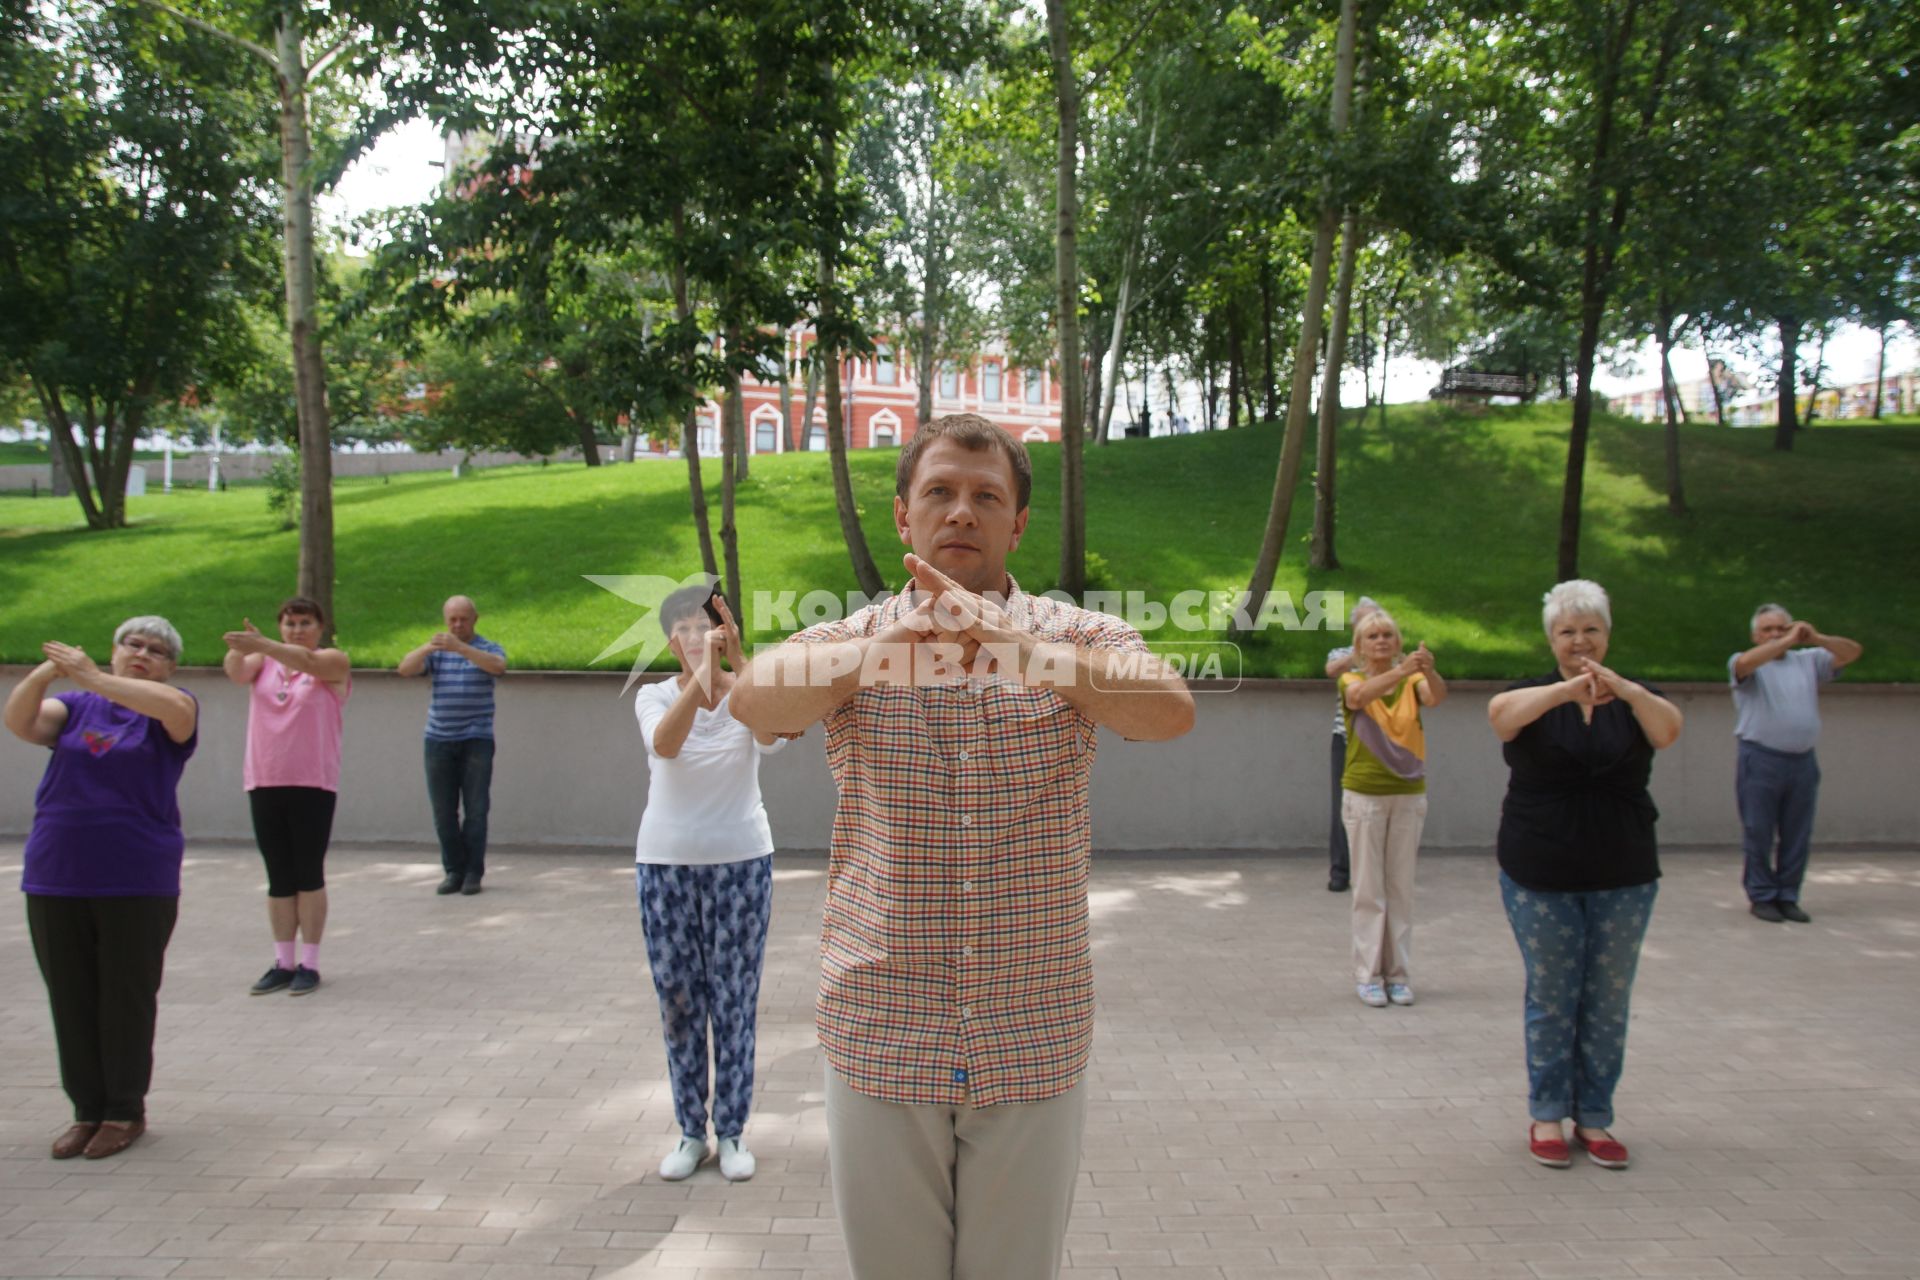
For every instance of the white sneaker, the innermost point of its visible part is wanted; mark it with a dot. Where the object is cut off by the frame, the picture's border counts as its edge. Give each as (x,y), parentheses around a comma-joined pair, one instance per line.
(736,1162)
(1399,993)
(683,1160)
(1371,993)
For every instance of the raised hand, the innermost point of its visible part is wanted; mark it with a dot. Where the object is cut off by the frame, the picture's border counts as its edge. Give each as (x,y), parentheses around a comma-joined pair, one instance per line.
(730,648)
(70,661)
(1607,684)
(248,640)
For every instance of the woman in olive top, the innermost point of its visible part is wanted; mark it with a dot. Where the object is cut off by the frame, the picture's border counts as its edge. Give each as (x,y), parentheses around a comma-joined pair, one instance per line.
(1578,866)
(1383,800)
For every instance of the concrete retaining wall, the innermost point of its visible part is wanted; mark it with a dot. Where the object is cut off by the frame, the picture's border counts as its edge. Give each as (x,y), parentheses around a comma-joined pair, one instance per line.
(1252,775)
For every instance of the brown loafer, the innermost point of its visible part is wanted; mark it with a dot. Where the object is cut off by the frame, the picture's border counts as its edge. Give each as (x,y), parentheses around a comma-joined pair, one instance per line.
(114,1137)
(74,1141)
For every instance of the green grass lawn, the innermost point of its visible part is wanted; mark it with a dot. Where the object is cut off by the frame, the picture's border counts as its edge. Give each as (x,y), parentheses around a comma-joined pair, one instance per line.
(1449,519)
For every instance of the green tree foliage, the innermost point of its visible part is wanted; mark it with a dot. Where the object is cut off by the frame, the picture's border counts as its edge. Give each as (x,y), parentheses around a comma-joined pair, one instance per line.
(136,226)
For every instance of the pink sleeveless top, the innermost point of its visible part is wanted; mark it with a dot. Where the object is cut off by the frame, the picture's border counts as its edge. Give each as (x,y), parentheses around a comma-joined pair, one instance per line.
(293,730)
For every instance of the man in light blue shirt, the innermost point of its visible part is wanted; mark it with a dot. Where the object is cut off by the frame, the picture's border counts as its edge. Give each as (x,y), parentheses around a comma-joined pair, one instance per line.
(459,750)
(1776,701)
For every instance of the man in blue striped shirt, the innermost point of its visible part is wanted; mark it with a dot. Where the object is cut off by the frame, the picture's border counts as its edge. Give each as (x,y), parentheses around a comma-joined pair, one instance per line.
(464,665)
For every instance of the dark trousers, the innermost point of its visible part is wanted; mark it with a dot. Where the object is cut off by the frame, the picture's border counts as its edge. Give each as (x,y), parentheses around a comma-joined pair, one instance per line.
(101,959)
(1776,792)
(1338,866)
(460,776)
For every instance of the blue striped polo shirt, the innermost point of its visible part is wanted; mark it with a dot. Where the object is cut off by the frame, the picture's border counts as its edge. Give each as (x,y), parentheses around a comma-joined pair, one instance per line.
(462,702)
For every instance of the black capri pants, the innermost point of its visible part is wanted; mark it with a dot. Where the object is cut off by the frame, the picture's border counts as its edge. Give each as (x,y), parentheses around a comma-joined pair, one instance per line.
(292,826)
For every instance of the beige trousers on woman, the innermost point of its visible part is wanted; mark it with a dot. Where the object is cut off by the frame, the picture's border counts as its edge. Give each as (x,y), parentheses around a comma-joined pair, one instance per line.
(1383,833)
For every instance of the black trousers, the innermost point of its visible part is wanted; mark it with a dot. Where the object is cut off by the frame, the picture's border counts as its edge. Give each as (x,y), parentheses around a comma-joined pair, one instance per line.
(1337,862)
(101,959)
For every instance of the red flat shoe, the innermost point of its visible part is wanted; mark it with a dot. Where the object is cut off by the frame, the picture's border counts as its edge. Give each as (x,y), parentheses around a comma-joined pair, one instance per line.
(1603,1150)
(1551,1152)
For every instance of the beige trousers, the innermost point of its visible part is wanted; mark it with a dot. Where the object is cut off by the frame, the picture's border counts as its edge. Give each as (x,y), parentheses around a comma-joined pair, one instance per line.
(953,1193)
(1383,833)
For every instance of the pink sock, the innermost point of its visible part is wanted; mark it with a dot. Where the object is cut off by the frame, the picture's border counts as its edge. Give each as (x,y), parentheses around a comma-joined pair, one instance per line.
(283,954)
(310,955)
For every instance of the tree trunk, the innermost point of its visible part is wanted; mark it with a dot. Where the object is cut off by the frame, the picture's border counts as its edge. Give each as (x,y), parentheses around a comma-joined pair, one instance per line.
(1880,374)
(1786,407)
(729,533)
(864,571)
(1266,329)
(1366,365)
(1116,348)
(1819,374)
(67,456)
(1320,550)
(315,579)
(1670,392)
(786,399)
(1596,266)
(1096,390)
(1287,477)
(589,446)
(1235,373)
(690,425)
(798,442)
(1073,508)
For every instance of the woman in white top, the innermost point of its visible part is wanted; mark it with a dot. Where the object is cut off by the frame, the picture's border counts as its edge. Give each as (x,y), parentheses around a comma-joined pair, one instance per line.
(705,873)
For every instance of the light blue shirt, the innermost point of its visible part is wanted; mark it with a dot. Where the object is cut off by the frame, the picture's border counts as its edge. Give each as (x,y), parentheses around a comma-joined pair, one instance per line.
(1778,705)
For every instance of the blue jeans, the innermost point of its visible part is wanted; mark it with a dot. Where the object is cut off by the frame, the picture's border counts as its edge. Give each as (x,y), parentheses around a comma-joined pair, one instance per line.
(460,775)
(1776,792)
(1580,950)
(706,932)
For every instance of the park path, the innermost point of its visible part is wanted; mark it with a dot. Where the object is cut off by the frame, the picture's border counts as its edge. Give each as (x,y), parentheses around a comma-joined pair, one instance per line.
(477,1091)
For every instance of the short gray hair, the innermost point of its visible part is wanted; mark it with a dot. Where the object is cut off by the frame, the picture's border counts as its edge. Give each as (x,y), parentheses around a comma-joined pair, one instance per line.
(1364,605)
(1572,598)
(153,627)
(1766,609)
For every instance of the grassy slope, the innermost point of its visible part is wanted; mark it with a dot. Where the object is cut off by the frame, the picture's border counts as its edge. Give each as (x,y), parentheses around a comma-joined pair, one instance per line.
(1450,520)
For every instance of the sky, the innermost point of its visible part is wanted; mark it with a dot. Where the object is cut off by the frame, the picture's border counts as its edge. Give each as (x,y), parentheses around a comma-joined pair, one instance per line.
(403,169)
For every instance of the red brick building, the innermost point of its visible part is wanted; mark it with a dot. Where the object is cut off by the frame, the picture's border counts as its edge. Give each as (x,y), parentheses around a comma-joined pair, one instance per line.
(880,400)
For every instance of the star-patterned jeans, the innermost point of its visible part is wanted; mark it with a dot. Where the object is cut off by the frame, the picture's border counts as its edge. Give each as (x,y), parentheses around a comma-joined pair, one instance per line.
(706,930)
(1581,950)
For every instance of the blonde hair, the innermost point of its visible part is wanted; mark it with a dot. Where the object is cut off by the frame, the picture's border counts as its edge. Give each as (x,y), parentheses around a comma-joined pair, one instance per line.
(1373,621)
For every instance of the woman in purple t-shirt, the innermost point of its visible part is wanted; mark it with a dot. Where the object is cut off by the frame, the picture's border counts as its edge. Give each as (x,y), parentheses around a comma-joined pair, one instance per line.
(102,874)
(292,775)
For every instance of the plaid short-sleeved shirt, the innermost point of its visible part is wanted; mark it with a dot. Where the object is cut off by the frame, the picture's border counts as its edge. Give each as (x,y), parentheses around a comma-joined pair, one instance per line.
(955,961)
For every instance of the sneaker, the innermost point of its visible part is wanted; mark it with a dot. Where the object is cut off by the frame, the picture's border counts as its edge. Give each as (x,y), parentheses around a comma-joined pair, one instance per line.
(736,1162)
(1792,911)
(1371,993)
(1768,911)
(1399,993)
(274,979)
(683,1160)
(304,981)
(451,884)
(470,885)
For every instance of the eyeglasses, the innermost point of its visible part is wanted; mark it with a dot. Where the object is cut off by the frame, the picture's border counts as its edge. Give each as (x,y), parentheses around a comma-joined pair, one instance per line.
(147,648)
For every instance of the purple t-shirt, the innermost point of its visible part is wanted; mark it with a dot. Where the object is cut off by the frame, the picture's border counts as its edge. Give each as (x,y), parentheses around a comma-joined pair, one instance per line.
(106,820)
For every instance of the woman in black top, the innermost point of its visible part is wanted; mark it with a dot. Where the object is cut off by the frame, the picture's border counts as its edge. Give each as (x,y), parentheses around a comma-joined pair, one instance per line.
(1578,865)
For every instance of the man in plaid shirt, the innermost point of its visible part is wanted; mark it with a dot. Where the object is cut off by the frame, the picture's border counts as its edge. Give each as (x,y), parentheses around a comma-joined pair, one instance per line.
(956,992)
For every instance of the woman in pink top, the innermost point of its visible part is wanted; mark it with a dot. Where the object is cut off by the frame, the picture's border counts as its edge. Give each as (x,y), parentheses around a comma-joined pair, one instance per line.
(292,775)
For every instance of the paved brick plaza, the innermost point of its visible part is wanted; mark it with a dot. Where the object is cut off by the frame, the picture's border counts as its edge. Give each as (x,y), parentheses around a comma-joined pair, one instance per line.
(478,1090)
